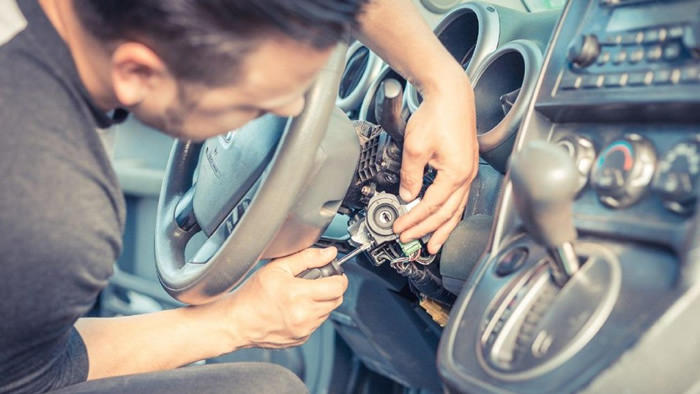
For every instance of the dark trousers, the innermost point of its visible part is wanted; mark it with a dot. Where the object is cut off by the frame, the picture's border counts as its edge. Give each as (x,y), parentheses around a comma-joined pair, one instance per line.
(215,378)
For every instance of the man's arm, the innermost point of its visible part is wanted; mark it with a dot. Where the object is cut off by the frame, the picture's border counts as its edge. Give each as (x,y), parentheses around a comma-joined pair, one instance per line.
(442,132)
(256,314)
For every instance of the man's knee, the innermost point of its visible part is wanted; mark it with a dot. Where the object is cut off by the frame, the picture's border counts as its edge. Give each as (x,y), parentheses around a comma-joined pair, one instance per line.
(271,378)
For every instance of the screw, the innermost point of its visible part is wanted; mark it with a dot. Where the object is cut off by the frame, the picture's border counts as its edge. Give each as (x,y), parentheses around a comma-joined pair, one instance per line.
(366,190)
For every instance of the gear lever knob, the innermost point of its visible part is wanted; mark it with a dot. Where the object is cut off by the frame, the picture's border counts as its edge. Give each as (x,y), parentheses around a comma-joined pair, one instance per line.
(544,182)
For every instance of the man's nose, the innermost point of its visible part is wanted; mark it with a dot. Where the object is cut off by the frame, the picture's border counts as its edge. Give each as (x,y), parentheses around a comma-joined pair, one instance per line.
(294,108)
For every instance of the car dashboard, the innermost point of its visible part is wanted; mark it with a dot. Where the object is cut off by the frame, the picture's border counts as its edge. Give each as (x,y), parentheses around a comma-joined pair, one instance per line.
(614,85)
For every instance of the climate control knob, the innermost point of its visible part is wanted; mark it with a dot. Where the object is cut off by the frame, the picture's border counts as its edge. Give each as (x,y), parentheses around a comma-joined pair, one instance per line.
(582,151)
(584,50)
(623,171)
(677,177)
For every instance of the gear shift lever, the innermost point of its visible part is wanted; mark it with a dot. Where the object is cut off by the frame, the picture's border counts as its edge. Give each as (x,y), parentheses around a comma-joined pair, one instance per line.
(544,185)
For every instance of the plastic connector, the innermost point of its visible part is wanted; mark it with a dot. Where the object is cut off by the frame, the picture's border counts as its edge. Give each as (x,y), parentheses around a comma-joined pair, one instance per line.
(410,248)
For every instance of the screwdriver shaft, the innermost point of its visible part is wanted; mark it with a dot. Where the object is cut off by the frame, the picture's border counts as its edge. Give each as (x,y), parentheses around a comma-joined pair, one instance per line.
(354,253)
(333,268)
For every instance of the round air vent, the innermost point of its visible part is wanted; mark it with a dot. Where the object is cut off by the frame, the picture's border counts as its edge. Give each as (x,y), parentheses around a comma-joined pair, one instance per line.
(367,108)
(361,67)
(472,31)
(503,87)
(469,32)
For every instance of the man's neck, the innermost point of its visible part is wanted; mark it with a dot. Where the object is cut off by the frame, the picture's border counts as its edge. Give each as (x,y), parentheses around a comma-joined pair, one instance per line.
(91,60)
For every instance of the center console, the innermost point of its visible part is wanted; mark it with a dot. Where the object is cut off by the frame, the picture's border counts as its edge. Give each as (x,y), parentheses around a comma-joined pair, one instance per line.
(593,258)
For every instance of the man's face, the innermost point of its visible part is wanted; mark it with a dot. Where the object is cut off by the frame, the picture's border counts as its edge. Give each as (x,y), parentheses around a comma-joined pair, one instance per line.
(273,79)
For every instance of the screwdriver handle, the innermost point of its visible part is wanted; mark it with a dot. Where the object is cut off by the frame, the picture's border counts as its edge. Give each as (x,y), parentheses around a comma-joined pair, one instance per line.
(330,269)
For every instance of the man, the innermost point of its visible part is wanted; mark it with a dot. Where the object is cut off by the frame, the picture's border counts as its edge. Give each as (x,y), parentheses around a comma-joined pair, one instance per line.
(193,69)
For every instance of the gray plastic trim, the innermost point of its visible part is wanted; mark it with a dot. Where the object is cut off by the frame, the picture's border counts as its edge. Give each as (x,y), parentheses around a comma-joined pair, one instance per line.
(369,95)
(138,180)
(589,329)
(439,6)
(487,40)
(508,126)
(370,73)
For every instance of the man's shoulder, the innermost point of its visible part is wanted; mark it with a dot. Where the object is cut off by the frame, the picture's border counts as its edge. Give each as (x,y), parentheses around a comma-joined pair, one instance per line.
(56,175)
(29,85)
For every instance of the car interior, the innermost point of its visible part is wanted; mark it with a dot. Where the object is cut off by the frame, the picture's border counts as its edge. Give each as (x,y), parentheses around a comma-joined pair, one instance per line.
(574,266)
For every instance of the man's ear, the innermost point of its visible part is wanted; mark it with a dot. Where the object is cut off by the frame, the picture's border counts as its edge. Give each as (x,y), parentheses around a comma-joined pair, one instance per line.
(136,71)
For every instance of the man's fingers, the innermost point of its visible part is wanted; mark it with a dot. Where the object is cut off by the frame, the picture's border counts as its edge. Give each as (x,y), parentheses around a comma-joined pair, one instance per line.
(326,289)
(445,213)
(436,195)
(415,158)
(326,307)
(440,235)
(308,258)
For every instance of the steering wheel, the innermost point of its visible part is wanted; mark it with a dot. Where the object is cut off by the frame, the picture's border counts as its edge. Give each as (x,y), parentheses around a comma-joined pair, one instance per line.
(237,189)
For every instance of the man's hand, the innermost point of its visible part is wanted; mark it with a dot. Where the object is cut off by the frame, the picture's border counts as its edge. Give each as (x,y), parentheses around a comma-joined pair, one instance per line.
(442,134)
(274,308)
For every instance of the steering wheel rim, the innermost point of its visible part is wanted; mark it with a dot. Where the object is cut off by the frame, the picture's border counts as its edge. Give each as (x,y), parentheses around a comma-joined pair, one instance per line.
(284,178)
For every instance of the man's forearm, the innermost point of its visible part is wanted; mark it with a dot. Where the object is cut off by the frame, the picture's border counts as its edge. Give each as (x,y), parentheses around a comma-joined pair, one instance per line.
(396,31)
(153,342)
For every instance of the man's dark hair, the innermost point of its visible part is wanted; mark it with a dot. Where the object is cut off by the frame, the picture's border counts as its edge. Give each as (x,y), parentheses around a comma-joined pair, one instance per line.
(195,38)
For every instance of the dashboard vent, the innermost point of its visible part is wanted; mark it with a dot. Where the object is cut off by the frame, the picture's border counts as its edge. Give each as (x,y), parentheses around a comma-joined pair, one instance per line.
(354,69)
(503,87)
(361,68)
(469,33)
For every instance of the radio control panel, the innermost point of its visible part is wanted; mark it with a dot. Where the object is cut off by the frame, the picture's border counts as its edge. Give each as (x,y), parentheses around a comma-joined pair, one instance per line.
(622,51)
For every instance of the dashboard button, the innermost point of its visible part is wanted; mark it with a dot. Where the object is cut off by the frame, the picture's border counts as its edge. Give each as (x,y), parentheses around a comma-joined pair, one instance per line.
(690,74)
(676,32)
(662,77)
(636,55)
(613,39)
(654,53)
(628,38)
(620,57)
(616,80)
(672,51)
(651,36)
(593,81)
(675,76)
(639,78)
(570,81)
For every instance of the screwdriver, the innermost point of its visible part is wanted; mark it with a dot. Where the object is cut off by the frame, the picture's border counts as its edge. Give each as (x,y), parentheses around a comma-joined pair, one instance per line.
(334,267)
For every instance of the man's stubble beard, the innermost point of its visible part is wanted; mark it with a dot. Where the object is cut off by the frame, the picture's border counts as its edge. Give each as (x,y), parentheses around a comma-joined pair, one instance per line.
(173,120)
